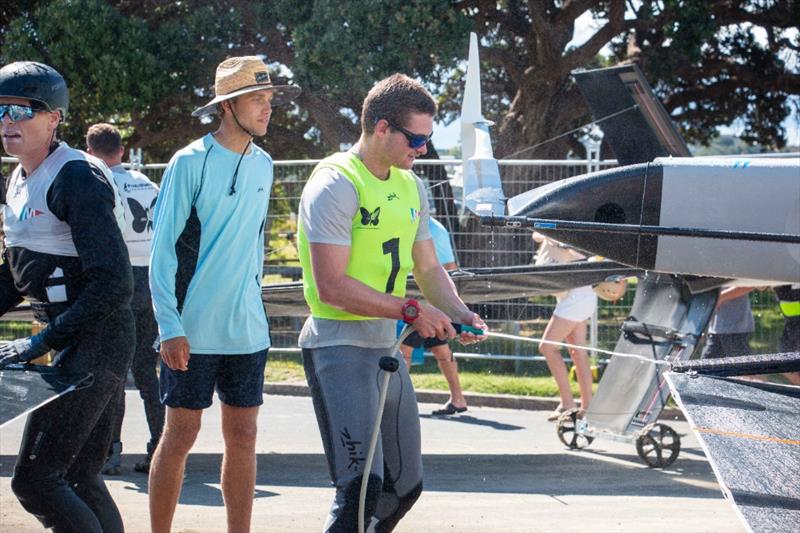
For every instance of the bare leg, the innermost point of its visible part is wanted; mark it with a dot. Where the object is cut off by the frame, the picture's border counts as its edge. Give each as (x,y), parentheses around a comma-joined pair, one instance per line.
(580,358)
(449,368)
(793,377)
(406,351)
(239,429)
(557,330)
(169,463)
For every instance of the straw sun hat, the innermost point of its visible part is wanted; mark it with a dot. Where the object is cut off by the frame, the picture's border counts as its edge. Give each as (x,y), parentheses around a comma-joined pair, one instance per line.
(240,75)
(611,291)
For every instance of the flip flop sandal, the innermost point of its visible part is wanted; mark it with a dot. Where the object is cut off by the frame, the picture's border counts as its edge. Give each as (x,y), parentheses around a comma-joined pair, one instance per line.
(449,409)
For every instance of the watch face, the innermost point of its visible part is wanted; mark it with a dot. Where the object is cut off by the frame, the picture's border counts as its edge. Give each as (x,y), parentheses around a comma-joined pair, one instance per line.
(410,311)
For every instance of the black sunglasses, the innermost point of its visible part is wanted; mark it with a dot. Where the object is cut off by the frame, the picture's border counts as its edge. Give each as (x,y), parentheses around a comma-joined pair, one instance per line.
(415,141)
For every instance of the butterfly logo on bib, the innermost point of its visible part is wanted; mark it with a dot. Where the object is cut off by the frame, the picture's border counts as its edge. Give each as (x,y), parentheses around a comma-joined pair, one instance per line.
(368,218)
(142,216)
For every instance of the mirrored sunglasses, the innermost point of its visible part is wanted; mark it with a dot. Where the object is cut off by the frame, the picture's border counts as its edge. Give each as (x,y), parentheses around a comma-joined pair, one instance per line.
(17,112)
(415,141)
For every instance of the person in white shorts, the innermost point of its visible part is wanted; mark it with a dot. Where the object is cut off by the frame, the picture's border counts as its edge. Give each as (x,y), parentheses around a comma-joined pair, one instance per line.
(568,324)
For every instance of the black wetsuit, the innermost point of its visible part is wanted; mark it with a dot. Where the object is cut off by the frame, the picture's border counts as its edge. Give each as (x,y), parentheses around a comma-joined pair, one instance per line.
(145,360)
(89,323)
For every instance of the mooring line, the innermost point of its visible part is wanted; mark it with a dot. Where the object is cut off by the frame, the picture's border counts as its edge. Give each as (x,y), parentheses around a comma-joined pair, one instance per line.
(568,345)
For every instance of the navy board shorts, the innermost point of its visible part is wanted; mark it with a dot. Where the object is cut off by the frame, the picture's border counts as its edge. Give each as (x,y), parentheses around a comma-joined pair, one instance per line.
(238,380)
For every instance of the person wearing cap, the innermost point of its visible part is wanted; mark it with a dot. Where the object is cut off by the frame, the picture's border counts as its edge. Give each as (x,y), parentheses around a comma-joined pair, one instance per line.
(138,195)
(363,226)
(65,254)
(205,278)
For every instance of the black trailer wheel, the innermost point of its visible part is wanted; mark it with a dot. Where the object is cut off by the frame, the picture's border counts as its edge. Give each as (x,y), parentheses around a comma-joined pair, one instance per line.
(568,430)
(658,445)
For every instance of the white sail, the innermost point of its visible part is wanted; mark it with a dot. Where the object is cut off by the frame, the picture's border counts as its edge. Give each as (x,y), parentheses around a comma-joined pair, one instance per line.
(482,188)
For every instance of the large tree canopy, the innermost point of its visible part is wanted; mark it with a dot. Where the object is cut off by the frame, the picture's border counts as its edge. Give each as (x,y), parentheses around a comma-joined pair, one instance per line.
(710,62)
(145,64)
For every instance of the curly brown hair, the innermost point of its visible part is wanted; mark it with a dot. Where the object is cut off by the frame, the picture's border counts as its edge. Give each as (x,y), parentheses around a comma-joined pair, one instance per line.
(393,98)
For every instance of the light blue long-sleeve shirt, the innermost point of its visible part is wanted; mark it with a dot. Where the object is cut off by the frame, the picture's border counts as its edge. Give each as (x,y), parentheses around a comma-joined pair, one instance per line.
(222,312)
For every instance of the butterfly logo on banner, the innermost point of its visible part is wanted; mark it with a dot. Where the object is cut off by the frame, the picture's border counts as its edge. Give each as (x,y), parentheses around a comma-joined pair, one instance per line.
(142,216)
(368,218)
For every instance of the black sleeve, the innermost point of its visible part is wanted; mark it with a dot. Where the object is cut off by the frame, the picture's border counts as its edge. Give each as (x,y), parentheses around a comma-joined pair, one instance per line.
(82,197)
(9,296)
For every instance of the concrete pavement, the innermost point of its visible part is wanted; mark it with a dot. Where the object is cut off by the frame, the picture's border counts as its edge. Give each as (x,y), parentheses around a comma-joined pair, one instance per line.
(488,470)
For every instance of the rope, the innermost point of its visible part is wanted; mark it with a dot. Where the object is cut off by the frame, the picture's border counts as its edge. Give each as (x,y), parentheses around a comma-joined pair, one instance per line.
(568,345)
(592,123)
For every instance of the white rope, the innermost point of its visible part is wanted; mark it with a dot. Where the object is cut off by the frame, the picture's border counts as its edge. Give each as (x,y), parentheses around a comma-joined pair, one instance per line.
(568,345)
(592,123)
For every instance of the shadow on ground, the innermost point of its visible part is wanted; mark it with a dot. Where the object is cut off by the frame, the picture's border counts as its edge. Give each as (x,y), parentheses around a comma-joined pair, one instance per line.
(469,419)
(586,473)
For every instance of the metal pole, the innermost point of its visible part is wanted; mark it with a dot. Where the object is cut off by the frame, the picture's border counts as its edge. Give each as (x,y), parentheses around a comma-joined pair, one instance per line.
(544,225)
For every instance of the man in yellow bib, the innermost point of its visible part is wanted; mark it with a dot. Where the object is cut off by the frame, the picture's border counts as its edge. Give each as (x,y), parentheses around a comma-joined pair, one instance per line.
(363,226)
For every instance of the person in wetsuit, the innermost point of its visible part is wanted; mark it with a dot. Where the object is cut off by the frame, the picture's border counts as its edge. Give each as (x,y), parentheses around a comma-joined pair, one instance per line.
(138,195)
(205,276)
(64,253)
(363,226)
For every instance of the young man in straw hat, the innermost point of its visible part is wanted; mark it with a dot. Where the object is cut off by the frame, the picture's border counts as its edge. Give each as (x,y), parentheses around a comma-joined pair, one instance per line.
(363,228)
(205,278)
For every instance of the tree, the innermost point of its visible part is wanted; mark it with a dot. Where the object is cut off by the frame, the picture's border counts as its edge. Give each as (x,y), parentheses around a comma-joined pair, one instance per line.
(120,70)
(719,69)
(703,58)
(146,64)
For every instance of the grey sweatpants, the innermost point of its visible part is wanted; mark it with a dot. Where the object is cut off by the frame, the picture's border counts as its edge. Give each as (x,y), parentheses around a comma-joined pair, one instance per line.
(345,388)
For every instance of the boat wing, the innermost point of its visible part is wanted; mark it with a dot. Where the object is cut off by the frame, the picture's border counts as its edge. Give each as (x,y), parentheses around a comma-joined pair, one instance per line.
(478,285)
(633,121)
(750,431)
(475,285)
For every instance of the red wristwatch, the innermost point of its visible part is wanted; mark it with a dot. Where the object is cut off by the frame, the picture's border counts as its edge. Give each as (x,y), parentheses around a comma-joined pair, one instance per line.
(410,311)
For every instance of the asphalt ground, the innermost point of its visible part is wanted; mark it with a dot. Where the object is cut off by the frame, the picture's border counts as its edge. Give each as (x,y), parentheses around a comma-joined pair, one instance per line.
(488,470)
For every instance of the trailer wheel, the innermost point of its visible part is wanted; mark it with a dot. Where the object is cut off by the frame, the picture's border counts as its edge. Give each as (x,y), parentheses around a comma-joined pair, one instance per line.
(570,431)
(658,445)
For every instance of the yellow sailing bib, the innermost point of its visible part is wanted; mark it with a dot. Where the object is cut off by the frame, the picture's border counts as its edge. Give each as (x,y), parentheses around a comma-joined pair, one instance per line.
(382,233)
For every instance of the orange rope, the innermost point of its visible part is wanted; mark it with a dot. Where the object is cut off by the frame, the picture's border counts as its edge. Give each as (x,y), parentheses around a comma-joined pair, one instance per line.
(746,436)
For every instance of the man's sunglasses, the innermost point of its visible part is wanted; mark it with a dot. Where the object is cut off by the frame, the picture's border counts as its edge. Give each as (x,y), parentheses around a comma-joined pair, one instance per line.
(17,112)
(414,141)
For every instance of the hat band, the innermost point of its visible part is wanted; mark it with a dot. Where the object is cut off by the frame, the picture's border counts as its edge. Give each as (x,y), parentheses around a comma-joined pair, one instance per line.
(263,85)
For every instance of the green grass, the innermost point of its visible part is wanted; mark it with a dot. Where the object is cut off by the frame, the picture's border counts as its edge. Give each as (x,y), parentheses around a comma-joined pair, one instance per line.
(492,383)
(286,370)
(14,329)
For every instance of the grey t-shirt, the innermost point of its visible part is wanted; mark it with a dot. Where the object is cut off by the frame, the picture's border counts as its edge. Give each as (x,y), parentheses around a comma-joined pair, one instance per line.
(335,202)
(733,316)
